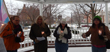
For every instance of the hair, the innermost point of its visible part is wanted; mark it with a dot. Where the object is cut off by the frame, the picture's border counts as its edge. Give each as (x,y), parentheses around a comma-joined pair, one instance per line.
(100,23)
(13,17)
(43,23)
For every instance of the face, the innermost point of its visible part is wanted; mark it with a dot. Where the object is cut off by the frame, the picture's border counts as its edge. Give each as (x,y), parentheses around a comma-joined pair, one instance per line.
(96,22)
(39,20)
(16,21)
(63,25)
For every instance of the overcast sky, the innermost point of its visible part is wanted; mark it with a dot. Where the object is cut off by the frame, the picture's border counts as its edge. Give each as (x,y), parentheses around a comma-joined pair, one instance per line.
(19,4)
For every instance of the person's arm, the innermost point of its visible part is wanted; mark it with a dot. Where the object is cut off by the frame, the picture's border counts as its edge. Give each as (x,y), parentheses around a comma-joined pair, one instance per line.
(6,32)
(68,36)
(31,35)
(87,33)
(55,33)
(20,35)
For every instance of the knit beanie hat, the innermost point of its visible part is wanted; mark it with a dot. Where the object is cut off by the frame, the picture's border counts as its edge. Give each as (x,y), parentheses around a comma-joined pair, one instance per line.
(63,21)
(98,17)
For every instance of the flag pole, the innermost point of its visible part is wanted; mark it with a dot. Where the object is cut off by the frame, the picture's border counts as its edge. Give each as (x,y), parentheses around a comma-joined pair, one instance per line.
(7,13)
(6,9)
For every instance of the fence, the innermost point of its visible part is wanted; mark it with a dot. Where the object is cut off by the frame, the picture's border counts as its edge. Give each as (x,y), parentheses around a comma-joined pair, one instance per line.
(76,39)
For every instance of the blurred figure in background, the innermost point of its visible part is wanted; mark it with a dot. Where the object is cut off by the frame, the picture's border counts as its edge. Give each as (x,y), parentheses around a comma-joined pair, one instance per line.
(97,32)
(62,34)
(39,32)
(12,34)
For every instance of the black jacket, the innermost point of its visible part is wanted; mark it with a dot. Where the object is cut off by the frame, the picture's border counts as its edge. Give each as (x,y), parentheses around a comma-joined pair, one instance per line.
(36,32)
(67,36)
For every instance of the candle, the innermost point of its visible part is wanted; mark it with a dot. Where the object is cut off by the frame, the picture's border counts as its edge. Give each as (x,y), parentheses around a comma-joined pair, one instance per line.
(2,27)
(2,24)
(19,32)
(100,32)
(42,32)
(61,31)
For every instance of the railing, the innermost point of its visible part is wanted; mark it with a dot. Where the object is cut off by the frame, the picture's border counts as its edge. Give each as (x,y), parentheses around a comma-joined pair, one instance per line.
(76,39)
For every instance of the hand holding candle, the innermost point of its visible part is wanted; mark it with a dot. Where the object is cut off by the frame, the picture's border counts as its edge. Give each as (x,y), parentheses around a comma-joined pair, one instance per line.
(61,31)
(19,33)
(42,32)
(100,32)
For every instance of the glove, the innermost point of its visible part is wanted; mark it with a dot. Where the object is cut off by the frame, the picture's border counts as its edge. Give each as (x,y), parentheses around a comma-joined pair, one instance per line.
(17,39)
(105,38)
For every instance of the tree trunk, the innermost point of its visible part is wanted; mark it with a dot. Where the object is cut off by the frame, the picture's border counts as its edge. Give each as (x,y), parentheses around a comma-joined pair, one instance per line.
(87,20)
(93,11)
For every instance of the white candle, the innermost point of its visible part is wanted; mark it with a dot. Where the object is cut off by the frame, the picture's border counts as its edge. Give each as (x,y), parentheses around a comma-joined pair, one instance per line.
(100,32)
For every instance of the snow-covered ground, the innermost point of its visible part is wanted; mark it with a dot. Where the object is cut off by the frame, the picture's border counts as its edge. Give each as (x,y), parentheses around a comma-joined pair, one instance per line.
(71,49)
(76,49)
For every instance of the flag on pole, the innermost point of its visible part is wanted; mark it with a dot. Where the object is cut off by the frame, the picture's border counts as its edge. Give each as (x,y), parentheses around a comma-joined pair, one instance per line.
(4,16)
(3,13)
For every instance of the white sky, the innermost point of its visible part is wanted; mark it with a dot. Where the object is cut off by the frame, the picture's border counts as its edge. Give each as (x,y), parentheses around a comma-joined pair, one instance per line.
(19,4)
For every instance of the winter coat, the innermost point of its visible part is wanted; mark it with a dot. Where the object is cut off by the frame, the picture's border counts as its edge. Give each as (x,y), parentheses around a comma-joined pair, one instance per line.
(95,40)
(67,36)
(36,32)
(9,41)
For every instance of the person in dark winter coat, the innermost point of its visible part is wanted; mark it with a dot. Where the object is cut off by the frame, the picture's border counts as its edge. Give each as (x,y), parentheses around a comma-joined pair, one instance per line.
(38,33)
(97,32)
(62,34)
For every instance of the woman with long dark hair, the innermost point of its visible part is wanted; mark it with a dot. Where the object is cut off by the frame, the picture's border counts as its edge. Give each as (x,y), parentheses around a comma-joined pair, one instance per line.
(97,32)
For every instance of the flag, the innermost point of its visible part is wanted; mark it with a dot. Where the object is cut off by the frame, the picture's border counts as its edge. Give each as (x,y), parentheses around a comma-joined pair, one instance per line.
(4,17)
(3,13)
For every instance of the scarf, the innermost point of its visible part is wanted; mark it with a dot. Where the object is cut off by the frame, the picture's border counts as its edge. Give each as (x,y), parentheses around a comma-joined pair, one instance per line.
(61,38)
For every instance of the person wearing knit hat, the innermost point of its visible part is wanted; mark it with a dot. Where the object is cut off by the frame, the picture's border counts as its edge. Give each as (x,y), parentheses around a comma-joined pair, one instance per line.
(63,21)
(62,34)
(97,32)
(98,17)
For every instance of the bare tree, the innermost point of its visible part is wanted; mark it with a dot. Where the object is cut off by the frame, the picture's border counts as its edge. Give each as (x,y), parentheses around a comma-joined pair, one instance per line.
(95,8)
(51,11)
(31,11)
(91,9)
(85,11)
(77,14)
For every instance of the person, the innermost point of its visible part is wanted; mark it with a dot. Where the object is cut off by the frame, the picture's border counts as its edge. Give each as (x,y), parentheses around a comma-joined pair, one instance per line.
(38,33)
(2,46)
(62,34)
(12,34)
(97,35)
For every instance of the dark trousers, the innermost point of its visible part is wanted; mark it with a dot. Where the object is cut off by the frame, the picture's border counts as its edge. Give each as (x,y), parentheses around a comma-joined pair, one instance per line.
(95,49)
(11,50)
(61,47)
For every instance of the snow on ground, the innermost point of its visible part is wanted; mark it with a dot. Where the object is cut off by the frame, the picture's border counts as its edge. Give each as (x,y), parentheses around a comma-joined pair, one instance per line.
(76,49)
(71,49)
